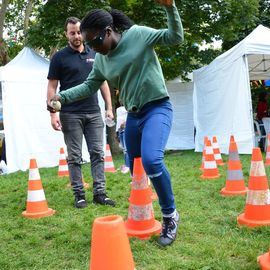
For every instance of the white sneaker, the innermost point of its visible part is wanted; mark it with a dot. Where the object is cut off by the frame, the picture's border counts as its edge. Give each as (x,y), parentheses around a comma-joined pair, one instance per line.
(124,169)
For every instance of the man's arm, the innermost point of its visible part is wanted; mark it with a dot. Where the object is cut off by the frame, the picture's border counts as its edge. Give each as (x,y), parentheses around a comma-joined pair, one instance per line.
(51,91)
(106,94)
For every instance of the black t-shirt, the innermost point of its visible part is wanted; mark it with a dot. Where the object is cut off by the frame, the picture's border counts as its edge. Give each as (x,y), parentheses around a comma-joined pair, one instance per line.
(71,68)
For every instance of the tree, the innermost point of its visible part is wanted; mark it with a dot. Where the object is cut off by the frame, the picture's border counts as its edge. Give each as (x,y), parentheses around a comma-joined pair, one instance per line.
(47,32)
(203,21)
(3,50)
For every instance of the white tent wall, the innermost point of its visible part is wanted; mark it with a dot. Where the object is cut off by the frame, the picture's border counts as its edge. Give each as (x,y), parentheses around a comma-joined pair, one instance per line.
(182,133)
(28,130)
(222,99)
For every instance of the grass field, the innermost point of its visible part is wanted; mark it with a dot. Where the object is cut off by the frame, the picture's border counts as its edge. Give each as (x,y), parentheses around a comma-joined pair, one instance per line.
(208,237)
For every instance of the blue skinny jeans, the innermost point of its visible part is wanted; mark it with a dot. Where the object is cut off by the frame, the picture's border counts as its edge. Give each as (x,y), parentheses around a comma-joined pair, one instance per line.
(146,136)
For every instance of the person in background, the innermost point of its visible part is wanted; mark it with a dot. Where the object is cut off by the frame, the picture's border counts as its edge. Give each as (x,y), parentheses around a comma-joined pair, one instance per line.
(262,106)
(127,60)
(3,162)
(121,115)
(70,67)
(262,111)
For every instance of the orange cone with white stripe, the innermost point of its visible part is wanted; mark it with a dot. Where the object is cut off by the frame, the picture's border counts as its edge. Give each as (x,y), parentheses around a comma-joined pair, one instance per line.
(36,205)
(63,166)
(153,194)
(267,156)
(110,249)
(216,151)
(257,210)
(141,222)
(235,183)
(264,261)
(203,153)
(108,162)
(210,170)
(85,184)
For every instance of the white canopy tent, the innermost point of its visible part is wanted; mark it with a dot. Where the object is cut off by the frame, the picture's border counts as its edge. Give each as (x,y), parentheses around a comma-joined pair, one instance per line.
(28,131)
(222,98)
(182,133)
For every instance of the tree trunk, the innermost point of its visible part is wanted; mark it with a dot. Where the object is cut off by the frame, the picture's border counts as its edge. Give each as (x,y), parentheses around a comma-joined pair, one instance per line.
(3,52)
(27,14)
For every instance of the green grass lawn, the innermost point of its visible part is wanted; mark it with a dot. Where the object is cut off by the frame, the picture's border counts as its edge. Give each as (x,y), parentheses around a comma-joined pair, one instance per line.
(209,237)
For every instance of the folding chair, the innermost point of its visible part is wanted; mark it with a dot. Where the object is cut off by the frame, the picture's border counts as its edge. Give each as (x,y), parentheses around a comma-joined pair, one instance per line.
(260,138)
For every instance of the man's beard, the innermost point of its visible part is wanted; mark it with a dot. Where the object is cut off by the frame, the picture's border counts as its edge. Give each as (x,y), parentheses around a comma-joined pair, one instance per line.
(76,44)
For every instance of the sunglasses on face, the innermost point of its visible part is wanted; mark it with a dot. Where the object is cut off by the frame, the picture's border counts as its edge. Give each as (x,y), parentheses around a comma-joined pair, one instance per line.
(97,41)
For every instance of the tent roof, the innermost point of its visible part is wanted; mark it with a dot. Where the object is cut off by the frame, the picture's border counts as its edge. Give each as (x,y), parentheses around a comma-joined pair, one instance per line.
(26,66)
(256,46)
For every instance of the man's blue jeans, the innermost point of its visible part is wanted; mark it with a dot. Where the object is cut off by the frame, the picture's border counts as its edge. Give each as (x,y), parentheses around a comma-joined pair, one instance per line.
(74,127)
(146,134)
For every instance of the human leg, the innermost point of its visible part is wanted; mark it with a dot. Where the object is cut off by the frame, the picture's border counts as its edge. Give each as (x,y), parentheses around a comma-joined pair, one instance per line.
(125,167)
(153,147)
(72,127)
(93,133)
(154,125)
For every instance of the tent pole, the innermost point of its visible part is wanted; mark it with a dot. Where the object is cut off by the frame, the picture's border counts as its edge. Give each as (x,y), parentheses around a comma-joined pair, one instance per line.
(250,101)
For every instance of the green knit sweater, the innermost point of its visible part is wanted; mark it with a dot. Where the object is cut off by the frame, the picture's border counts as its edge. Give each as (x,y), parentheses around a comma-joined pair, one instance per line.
(133,66)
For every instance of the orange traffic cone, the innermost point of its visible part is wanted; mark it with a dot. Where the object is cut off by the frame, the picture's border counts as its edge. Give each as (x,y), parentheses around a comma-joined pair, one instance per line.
(235,183)
(153,194)
(141,222)
(210,170)
(264,261)
(108,163)
(63,166)
(257,210)
(110,249)
(216,151)
(36,205)
(85,184)
(267,157)
(203,153)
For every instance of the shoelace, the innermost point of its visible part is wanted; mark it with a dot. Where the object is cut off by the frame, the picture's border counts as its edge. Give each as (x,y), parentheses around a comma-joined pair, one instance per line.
(168,226)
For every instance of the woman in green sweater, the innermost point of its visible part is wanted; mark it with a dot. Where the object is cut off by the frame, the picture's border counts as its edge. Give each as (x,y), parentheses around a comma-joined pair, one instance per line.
(127,60)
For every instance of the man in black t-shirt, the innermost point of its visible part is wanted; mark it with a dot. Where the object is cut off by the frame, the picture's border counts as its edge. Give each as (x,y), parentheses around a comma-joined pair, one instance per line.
(70,67)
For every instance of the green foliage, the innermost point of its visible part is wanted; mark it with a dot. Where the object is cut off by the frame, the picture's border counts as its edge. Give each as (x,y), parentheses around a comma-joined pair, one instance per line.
(208,237)
(204,21)
(47,31)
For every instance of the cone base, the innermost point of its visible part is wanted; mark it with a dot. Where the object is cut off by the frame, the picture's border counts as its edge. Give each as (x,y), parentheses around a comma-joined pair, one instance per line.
(242,220)
(63,175)
(144,234)
(221,164)
(226,192)
(85,185)
(47,213)
(110,170)
(154,196)
(210,177)
(264,262)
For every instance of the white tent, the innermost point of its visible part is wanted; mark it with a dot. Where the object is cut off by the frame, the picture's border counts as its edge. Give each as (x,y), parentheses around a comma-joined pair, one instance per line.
(182,133)
(222,98)
(28,130)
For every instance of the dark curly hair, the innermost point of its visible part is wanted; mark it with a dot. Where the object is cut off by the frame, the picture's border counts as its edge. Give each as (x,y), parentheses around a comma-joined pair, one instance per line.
(98,19)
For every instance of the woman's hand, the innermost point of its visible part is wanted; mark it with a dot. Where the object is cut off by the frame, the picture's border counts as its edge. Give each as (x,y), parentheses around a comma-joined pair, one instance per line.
(166,2)
(54,104)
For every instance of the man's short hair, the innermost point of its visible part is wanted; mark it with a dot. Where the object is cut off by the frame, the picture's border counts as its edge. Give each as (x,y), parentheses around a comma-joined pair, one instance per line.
(72,20)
